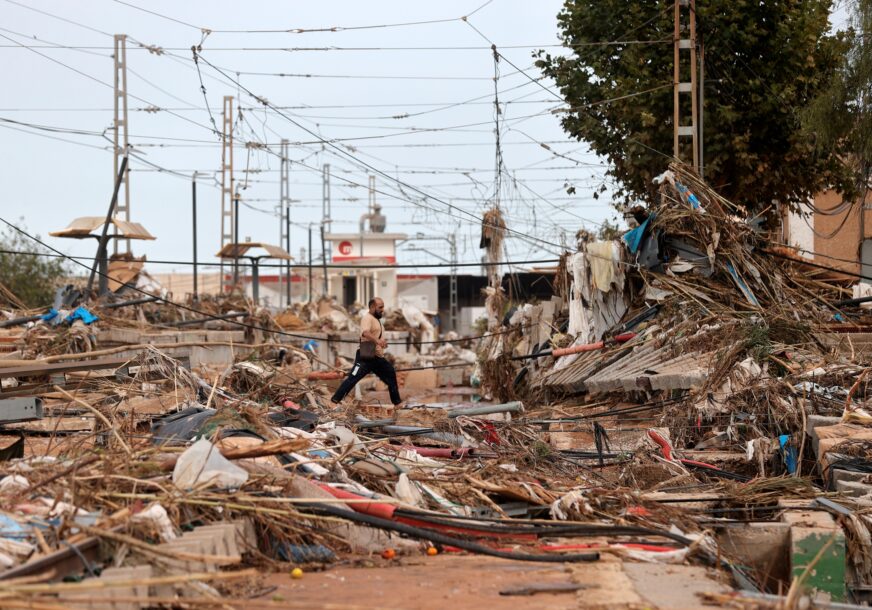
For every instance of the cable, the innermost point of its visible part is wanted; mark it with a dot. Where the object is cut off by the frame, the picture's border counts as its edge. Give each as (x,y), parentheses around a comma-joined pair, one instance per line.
(302,265)
(152,49)
(438,537)
(95,79)
(343,153)
(209,316)
(47,14)
(819,266)
(368,76)
(173,19)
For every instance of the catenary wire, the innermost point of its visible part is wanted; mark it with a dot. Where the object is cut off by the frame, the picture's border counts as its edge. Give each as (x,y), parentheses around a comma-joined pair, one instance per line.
(209,316)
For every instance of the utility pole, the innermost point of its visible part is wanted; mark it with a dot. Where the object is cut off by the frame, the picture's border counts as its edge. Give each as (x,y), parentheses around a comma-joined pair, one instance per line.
(325,222)
(194,224)
(285,220)
(685,23)
(452,284)
(236,239)
(228,220)
(310,262)
(119,133)
(701,104)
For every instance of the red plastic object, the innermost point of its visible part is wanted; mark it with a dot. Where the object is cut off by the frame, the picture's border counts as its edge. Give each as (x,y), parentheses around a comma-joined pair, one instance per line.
(386,511)
(665,447)
(290,404)
(624,337)
(374,509)
(589,347)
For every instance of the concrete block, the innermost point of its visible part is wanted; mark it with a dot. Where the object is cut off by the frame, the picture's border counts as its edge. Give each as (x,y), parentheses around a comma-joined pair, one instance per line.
(158,338)
(181,566)
(452,377)
(191,336)
(853,489)
(421,380)
(119,335)
(219,539)
(229,336)
(214,355)
(848,476)
(810,532)
(765,547)
(105,599)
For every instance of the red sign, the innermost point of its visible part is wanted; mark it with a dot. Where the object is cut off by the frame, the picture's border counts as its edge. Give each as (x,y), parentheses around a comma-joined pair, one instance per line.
(345,247)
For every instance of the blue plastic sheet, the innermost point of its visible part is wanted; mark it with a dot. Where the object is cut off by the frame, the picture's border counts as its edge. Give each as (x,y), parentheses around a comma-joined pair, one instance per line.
(81,314)
(634,238)
(788,453)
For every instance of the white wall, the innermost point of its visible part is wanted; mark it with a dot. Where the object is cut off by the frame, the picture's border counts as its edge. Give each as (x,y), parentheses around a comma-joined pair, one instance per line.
(800,233)
(423,293)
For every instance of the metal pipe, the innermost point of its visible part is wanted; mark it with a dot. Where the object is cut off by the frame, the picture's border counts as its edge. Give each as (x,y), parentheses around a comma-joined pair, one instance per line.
(577,349)
(19,321)
(852,302)
(104,237)
(255,281)
(508,407)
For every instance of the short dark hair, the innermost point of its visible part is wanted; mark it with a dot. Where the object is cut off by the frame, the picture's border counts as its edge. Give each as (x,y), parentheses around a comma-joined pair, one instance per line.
(372,301)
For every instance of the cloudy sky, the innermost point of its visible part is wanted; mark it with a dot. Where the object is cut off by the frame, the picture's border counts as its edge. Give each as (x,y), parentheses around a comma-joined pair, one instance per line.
(401,90)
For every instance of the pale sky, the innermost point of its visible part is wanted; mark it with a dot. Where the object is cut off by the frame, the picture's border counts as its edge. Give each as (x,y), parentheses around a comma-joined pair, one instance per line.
(48,182)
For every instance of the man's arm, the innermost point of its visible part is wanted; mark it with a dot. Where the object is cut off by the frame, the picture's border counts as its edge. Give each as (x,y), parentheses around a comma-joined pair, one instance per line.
(369,336)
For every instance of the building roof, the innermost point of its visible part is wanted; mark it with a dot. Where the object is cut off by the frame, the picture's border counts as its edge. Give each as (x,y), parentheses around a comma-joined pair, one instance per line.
(241,251)
(366,236)
(82,227)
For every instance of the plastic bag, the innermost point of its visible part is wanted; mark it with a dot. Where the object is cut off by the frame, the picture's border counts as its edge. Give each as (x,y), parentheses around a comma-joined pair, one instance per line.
(202,465)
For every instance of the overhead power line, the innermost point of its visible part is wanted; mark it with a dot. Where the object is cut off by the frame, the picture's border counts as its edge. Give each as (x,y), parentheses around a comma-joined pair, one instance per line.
(207,315)
(301,265)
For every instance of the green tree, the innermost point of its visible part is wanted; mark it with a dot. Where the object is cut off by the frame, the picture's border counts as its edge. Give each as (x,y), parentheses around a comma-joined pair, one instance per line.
(609,230)
(763,62)
(32,279)
(840,118)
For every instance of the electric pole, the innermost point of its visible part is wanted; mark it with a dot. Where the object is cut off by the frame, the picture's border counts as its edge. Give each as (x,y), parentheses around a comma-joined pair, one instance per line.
(119,133)
(685,23)
(452,284)
(285,221)
(325,222)
(228,219)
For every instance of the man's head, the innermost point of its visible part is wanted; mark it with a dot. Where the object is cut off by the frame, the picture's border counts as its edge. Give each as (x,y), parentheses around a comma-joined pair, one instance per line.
(377,308)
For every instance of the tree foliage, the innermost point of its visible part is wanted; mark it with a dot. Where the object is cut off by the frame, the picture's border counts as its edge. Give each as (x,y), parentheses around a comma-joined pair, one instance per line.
(764,61)
(32,279)
(840,118)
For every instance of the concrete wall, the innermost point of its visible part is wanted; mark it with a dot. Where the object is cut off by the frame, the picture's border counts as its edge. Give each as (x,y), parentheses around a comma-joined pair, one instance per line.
(420,291)
(800,231)
(846,243)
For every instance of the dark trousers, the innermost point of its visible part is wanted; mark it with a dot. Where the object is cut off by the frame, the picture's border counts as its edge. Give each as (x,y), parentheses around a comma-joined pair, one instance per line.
(382,368)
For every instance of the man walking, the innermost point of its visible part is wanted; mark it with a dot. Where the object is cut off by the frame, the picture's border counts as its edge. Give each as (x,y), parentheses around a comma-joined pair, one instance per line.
(370,358)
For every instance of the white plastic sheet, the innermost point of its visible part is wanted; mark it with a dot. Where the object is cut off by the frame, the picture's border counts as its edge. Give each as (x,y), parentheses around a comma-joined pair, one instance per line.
(202,465)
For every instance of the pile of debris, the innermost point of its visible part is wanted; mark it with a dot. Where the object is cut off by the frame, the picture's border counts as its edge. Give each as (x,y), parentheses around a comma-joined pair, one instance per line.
(690,397)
